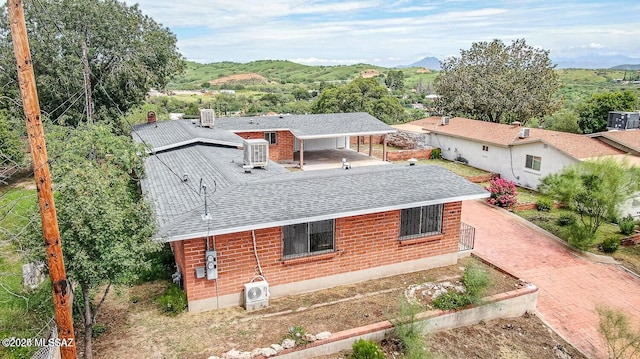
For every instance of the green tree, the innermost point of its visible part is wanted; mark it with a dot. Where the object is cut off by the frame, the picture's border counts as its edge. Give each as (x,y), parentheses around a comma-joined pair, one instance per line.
(595,189)
(594,112)
(360,95)
(498,83)
(105,224)
(11,148)
(395,80)
(123,51)
(564,121)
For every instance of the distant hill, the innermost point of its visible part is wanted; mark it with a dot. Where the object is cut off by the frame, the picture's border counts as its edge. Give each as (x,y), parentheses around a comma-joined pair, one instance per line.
(430,62)
(594,61)
(273,71)
(626,67)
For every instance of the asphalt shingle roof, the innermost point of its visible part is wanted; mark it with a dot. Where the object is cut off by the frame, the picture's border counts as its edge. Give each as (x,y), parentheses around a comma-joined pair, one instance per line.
(628,138)
(577,146)
(309,196)
(274,196)
(310,126)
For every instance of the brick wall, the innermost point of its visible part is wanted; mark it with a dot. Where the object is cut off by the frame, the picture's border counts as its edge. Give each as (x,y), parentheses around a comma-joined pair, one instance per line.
(403,155)
(377,139)
(361,242)
(282,150)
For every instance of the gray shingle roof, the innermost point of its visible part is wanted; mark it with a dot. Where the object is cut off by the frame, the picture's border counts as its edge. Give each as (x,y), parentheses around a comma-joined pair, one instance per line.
(164,135)
(274,196)
(309,196)
(310,126)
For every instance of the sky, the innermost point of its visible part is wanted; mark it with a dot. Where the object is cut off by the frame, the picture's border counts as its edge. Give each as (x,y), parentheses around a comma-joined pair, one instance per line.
(393,32)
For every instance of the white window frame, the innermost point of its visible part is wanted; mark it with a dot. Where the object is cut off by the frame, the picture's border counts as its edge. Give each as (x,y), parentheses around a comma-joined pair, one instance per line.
(530,162)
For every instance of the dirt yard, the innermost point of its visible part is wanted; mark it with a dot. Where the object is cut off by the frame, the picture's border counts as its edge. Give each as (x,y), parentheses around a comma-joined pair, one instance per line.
(137,329)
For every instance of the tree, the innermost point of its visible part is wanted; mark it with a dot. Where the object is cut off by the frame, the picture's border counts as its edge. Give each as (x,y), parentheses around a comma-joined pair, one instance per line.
(395,80)
(563,121)
(117,49)
(594,112)
(104,222)
(360,95)
(498,83)
(595,189)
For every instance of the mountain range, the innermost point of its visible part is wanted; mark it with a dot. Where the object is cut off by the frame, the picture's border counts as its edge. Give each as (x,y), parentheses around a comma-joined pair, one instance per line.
(594,61)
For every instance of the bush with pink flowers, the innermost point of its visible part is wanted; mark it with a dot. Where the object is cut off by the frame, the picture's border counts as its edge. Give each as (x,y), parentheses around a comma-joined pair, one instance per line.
(503,193)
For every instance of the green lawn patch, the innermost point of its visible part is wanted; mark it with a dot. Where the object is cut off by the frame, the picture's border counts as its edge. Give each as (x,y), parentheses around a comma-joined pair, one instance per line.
(456,167)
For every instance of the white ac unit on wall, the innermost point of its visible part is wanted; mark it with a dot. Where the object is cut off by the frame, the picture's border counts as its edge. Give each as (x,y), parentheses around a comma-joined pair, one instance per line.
(256,295)
(445,120)
(256,153)
(524,132)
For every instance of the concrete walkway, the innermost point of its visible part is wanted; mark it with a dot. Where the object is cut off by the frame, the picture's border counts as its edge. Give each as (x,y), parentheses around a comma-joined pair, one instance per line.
(570,285)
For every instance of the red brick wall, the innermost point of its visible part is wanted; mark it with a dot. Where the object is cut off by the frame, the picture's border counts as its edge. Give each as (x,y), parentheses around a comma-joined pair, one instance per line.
(361,242)
(403,155)
(377,139)
(178,252)
(282,150)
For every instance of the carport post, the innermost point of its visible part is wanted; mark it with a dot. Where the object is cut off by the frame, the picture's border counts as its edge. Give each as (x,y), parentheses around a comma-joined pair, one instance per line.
(370,145)
(384,147)
(301,154)
(358,144)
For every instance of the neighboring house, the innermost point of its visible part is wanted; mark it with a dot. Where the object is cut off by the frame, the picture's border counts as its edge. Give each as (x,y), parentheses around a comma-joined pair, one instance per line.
(301,231)
(520,154)
(628,141)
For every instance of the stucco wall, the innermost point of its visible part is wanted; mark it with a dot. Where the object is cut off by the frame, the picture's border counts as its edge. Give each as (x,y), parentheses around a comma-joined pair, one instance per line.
(508,162)
(361,243)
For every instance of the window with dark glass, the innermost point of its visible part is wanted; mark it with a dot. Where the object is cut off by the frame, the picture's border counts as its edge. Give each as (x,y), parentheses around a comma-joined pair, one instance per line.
(421,221)
(533,162)
(308,238)
(270,137)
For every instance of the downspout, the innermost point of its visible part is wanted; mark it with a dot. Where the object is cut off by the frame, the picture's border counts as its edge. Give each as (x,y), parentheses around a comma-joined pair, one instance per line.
(511,162)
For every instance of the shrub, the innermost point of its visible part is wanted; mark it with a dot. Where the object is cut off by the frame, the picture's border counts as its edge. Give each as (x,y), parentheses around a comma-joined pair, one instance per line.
(297,334)
(566,220)
(503,193)
(581,237)
(366,349)
(627,225)
(544,204)
(409,331)
(436,154)
(610,245)
(173,301)
(475,281)
(621,339)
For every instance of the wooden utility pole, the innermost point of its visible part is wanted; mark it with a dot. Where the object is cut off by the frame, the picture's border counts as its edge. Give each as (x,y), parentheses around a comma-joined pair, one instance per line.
(60,285)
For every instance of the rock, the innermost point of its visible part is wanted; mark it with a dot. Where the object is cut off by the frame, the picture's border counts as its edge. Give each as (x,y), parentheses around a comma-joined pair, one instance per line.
(310,338)
(256,353)
(289,343)
(323,335)
(232,354)
(561,352)
(245,355)
(277,347)
(268,352)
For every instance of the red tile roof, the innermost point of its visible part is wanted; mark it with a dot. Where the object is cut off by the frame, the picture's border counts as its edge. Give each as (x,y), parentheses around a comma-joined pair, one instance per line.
(577,146)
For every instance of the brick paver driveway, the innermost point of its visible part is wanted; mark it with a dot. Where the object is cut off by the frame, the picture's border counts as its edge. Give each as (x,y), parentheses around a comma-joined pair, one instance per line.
(570,286)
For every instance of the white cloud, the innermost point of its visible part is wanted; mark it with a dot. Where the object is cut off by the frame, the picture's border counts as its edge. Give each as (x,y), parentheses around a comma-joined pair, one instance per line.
(391,33)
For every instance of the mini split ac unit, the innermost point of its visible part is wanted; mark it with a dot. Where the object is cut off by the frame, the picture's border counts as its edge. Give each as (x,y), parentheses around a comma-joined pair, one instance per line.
(207,117)
(256,153)
(256,295)
(524,132)
(445,120)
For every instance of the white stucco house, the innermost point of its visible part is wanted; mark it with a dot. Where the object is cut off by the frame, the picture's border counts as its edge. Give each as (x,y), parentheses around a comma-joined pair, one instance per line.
(524,155)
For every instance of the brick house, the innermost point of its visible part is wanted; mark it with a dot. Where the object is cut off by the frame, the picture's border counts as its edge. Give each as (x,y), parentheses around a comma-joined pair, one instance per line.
(301,231)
